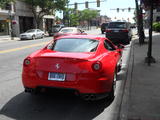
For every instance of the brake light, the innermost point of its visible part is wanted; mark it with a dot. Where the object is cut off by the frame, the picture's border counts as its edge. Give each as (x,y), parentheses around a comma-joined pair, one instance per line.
(125,30)
(108,30)
(27,62)
(97,66)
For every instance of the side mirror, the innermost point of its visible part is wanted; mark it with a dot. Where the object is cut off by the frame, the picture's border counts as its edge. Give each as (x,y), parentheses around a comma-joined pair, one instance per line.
(120,46)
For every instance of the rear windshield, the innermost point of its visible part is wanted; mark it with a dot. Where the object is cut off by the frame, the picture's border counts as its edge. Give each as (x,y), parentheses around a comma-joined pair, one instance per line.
(117,25)
(66,30)
(75,45)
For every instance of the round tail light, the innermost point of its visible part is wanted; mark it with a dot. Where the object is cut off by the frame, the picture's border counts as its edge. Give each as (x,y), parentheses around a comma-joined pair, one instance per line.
(97,66)
(27,62)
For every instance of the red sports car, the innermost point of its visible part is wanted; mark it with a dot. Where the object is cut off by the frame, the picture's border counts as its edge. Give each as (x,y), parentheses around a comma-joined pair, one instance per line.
(69,31)
(85,64)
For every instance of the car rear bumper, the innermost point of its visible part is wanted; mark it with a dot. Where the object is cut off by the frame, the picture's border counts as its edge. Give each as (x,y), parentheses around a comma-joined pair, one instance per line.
(85,86)
(84,96)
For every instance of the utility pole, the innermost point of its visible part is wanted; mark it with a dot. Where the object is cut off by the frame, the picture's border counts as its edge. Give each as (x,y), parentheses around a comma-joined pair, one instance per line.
(149,59)
(8,6)
(137,14)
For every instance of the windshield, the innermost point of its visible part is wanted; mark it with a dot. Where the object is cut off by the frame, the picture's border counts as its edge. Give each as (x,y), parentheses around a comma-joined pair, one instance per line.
(117,25)
(29,31)
(66,30)
(75,45)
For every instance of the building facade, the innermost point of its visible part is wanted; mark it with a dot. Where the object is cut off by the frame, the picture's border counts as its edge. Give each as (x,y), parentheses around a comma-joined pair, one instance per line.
(22,19)
(156,16)
(5,16)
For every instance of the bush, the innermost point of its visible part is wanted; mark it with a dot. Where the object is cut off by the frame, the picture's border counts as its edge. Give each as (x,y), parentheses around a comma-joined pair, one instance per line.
(156,26)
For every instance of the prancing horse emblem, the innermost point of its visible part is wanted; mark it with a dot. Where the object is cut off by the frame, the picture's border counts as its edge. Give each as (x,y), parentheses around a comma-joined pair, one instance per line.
(57,66)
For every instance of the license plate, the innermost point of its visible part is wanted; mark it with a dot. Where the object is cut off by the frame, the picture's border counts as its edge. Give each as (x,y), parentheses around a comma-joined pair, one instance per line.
(56,76)
(116,30)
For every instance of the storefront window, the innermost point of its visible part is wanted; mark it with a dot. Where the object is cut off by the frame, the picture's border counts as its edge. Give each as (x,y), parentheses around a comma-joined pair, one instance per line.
(3,27)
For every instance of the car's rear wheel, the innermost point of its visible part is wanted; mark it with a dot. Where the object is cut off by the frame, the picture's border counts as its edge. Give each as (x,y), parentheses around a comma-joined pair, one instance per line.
(33,37)
(119,67)
(42,36)
(102,32)
(112,93)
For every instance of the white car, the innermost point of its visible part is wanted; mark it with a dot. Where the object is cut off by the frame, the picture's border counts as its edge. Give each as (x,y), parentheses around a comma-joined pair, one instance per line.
(32,34)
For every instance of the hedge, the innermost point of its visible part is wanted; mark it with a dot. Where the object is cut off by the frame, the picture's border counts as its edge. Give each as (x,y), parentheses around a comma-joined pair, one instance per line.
(156,26)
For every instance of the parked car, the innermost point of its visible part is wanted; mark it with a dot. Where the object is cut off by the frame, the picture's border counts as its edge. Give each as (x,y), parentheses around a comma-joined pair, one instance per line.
(119,32)
(85,64)
(103,27)
(55,29)
(69,31)
(32,34)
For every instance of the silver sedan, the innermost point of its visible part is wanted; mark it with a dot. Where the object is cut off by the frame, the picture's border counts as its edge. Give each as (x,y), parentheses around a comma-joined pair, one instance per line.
(32,34)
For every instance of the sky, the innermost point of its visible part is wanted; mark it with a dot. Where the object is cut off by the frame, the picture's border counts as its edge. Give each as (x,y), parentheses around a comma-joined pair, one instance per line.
(107,5)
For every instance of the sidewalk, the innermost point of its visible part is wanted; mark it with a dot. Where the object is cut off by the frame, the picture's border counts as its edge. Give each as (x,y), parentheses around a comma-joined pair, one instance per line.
(7,38)
(141,99)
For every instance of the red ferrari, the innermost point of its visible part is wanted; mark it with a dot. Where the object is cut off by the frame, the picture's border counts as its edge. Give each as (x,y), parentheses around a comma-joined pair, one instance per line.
(85,64)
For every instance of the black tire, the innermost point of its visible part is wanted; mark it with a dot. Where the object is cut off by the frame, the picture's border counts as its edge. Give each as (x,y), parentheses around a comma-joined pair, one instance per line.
(33,37)
(119,67)
(102,32)
(112,93)
(42,36)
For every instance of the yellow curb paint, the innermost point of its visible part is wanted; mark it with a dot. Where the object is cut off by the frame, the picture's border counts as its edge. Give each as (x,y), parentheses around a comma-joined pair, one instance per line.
(21,48)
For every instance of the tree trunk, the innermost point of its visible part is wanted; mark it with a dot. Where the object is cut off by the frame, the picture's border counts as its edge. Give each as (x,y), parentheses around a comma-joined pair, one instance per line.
(139,23)
(141,36)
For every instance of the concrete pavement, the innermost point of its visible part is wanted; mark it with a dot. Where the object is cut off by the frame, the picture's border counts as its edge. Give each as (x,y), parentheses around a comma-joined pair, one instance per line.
(141,98)
(7,38)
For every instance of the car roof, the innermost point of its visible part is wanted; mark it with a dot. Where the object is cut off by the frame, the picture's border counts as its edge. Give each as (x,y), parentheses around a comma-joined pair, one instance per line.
(83,36)
(118,22)
(69,28)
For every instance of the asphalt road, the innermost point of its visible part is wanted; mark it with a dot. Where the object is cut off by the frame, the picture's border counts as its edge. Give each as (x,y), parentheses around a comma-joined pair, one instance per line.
(15,104)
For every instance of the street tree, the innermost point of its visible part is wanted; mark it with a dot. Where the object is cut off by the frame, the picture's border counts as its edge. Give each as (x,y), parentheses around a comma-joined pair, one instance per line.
(74,17)
(139,20)
(40,8)
(4,2)
(88,15)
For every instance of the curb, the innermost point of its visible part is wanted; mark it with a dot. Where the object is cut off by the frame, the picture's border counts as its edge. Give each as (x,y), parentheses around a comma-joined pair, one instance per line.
(123,112)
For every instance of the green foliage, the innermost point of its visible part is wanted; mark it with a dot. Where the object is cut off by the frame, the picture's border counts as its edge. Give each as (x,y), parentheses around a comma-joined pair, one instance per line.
(156,26)
(4,2)
(47,7)
(75,16)
(89,14)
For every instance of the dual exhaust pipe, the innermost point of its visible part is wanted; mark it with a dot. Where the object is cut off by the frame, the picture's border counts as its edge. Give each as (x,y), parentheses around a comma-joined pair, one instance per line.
(89,97)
